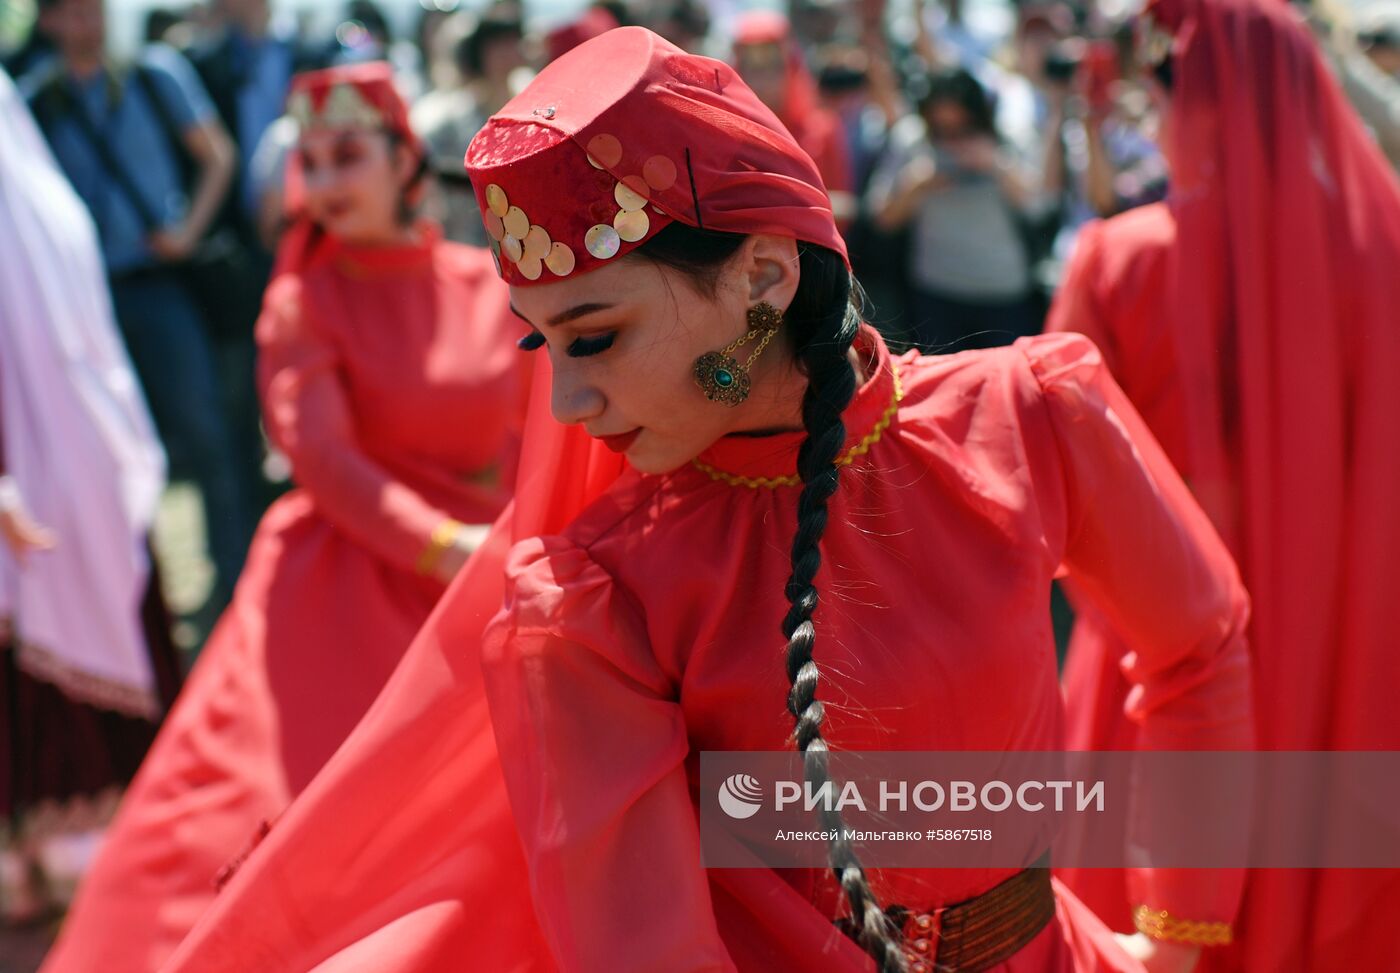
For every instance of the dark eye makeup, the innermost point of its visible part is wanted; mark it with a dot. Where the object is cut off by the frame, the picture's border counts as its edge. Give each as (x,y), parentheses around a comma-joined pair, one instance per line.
(578,348)
(583,347)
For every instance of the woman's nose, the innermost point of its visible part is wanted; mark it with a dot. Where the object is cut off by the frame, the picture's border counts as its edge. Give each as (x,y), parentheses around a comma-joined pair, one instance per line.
(572,399)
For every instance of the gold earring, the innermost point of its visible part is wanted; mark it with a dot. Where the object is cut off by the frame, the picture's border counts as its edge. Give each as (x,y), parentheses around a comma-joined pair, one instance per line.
(719,374)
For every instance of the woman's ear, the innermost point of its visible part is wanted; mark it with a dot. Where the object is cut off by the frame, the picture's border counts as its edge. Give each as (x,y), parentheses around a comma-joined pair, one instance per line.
(770,268)
(406,164)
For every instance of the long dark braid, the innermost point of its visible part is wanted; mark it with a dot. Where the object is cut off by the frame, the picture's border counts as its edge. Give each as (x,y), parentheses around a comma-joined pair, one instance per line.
(822,323)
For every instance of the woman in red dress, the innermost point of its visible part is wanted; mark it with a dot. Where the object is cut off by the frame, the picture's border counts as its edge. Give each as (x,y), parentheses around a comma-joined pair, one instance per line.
(675,252)
(390,379)
(1252,320)
(770,61)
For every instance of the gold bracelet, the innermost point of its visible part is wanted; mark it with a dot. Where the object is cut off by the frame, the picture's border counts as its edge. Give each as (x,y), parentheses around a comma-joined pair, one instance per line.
(1160,924)
(443,537)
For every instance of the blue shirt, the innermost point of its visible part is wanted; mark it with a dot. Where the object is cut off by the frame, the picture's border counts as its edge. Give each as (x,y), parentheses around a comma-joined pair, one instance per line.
(265,65)
(132,129)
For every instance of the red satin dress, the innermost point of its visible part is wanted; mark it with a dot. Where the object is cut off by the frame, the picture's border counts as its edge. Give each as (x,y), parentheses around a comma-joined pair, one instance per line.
(390,379)
(646,632)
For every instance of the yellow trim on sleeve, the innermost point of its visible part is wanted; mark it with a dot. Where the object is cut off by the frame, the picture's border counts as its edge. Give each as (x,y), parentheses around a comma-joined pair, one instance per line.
(1160,924)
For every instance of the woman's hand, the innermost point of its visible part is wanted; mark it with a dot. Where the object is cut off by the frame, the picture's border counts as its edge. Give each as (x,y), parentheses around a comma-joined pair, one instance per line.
(21,532)
(919,176)
(1160,956)
(979,153)
(468,539)
(173,244)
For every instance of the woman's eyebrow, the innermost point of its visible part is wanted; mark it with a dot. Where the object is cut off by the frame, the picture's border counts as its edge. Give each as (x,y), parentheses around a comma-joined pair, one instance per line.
(572,314)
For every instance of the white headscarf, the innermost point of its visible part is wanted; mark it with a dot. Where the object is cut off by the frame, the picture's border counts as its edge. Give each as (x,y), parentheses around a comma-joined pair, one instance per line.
(78,439)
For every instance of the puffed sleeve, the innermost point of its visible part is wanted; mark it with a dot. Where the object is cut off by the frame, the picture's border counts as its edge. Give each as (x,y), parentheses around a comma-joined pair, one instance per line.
(593,744)
(1142,551)
(309,419)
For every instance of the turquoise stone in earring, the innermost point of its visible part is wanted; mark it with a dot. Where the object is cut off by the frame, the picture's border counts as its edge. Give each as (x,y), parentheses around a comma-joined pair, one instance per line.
(721,378)
(719,374)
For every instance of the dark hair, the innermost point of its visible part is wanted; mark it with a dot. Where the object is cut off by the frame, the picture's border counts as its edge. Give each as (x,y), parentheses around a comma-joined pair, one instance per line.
(371,18)
(821,322)
(159,20)
(687,17)
(407,211)
(960,87)
(1163,71)
(470,52)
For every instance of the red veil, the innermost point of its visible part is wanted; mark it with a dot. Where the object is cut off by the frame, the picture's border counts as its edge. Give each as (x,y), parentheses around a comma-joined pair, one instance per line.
(1283,309)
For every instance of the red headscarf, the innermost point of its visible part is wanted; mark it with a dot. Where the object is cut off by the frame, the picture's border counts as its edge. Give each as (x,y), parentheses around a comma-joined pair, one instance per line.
(351,96)
(402,855)
(1287,302)
(624,134)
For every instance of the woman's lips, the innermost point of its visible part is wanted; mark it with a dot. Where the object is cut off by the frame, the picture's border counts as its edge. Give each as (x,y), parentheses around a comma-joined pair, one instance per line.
(622,441)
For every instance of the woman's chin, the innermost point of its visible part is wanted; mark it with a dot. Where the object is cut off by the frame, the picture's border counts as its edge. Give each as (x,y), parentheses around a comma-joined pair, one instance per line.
(655,462)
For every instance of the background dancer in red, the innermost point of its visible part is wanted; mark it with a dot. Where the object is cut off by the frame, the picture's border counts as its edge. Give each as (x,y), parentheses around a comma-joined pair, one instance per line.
(390,379)
(1252,319)
(769,59)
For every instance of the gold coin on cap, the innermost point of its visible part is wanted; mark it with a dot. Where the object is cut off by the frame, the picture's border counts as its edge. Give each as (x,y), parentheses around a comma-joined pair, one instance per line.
(659,172)
(536,243)
(631,194)
(496,200)
(494,227)
(604,151)
(516,222)
(512,248)
(602,241)
(631,226)
(560,260)
(531,268)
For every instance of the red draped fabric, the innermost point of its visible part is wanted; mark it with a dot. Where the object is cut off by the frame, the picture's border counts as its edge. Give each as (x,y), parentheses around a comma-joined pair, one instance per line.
(1254,319)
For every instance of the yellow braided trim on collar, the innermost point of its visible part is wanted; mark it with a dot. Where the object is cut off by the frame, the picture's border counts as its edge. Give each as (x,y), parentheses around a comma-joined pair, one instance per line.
(845,459)
(1160,924)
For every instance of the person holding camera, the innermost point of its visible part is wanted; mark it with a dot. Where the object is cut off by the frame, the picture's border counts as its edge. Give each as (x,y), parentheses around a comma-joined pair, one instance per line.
(960,190)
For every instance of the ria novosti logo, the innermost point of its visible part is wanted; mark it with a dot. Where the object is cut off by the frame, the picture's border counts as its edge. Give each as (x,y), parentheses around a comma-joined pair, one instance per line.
(741,796)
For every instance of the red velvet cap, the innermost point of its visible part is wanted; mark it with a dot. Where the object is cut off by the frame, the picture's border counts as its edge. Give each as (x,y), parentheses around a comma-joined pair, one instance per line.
(350,96)
(619,137)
